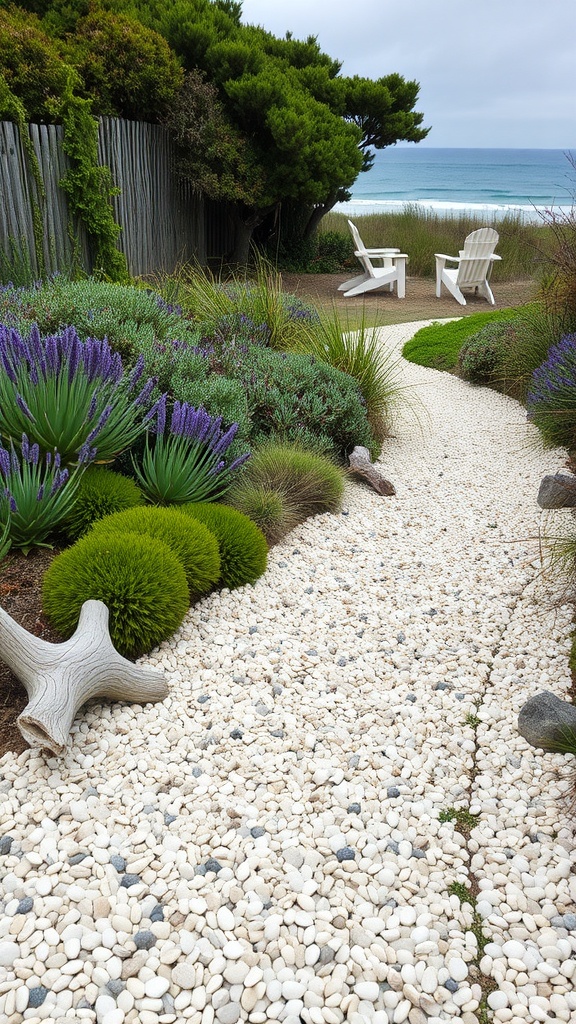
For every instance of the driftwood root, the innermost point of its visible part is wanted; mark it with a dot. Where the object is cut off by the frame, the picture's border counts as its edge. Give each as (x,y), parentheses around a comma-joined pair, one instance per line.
(60,678)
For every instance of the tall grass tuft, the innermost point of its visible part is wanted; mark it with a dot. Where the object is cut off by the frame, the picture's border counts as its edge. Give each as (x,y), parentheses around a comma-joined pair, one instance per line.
(256,295)
(305,484)
(359,353)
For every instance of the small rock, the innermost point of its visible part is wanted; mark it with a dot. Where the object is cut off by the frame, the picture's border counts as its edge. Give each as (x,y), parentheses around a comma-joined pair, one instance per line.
(144,940)
(346,853)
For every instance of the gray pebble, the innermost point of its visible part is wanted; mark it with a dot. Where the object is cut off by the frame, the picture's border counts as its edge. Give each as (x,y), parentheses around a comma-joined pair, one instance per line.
(115,986)
(411,697)
(257,831)
(169,818)
(129,880)
(346,853)
(148,809)
(327,955)
(354,809)
(203,698)
(570,922)
(236,734)
(25,905)
(157,913)
(213,865)
(5,844)
(144,940)
(392,792)
(196,771)
(118,862)
(37,995)
(277,732)
(451,985)
(77,858)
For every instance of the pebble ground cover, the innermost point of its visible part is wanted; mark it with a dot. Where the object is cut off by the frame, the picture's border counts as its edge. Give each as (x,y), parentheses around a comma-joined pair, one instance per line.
(332,817)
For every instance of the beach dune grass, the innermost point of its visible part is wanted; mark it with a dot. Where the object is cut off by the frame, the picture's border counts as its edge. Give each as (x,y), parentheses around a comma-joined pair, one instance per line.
(422,233)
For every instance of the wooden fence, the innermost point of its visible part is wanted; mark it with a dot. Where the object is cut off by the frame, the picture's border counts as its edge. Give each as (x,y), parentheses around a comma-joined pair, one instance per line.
(163,221)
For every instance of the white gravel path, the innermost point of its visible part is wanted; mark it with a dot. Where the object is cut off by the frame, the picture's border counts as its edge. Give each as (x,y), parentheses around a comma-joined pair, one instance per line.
(271,843)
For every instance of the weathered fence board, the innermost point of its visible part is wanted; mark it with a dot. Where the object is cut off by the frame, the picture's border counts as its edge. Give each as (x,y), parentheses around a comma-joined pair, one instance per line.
(162,220)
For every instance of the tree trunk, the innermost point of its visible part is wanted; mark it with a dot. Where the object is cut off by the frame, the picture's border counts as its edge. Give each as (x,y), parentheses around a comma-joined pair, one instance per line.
(59,678)
(316,216)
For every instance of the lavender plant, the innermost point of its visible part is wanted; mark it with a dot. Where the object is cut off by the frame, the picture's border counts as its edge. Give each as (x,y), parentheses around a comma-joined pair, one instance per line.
(551,400)
(187,462)
(36,494)
(69,396)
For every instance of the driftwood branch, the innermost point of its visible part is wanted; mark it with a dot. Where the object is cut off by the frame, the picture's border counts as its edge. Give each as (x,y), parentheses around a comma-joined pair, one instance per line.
(59,678)
(360,464)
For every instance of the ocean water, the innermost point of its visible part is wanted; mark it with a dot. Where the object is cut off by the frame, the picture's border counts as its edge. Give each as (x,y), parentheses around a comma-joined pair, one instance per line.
(490,183)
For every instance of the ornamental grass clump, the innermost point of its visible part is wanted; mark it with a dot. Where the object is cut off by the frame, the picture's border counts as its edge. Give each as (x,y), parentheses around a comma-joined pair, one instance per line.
(70,396)
(139,579)
(304,484)
(190,540)
(187,461)
(551,400)
(101,492)
(36,494)
(242,545)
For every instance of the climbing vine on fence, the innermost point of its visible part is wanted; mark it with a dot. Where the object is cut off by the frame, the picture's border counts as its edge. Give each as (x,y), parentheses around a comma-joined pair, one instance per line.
(89,186)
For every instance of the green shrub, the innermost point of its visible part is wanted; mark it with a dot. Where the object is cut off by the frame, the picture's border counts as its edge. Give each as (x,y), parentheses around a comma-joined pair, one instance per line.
(305,485)
(268,509)
(101,492)
(481,358)
(242,545)
(219,396)
(132,319)
(193,544)
(140,580)
(289,392)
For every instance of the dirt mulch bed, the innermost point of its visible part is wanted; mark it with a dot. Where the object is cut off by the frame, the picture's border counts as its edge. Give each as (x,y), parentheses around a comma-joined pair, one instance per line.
(420,302)
(20,595)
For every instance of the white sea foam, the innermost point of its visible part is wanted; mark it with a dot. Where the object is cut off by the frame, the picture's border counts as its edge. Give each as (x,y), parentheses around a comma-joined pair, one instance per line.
(485,211)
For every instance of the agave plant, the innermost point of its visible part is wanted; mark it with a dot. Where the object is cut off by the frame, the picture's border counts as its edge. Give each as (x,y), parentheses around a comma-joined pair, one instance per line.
(35,495)
(186,462)
(69,396)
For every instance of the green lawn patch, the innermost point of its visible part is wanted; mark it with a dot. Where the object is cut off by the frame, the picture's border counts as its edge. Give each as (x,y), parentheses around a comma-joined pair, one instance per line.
(438,345)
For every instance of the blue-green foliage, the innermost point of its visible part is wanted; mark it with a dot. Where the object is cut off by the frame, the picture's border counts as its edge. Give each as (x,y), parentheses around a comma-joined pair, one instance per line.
(130,318)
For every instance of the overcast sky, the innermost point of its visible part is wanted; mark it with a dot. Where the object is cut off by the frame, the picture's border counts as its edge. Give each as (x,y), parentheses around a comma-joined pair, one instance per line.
(491,72)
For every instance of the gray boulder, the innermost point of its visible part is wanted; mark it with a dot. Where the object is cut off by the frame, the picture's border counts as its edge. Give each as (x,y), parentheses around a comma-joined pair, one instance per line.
(557,491)
(548,722)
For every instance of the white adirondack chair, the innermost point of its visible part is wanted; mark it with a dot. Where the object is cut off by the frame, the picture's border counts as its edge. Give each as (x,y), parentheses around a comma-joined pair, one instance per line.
(392,269)
(474,266)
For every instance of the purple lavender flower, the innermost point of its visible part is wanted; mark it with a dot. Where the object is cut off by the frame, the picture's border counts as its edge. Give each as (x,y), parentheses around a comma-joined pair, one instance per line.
(24,408)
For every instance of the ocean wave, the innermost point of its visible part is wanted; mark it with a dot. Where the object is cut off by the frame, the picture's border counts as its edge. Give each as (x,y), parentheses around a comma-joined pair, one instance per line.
(528,213)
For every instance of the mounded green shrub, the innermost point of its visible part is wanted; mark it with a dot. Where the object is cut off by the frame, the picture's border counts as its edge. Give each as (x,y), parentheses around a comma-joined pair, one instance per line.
(289,392)
(242,545)
(193,544)
(101,492)
(305,484)
(139,578)
(481,357)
